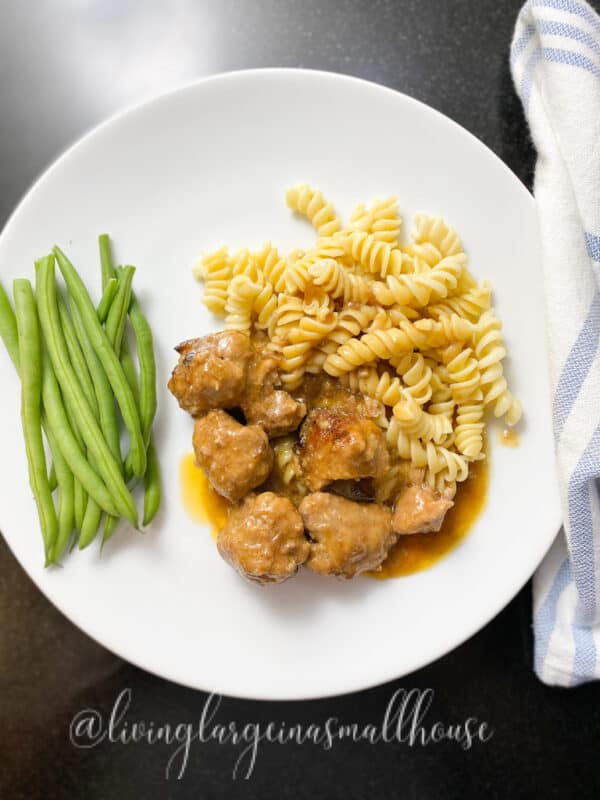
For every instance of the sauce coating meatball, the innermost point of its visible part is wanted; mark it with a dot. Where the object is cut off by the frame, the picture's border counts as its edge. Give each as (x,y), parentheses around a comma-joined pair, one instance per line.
(236,458)
(419,510)
(348,537)
(265,404)
(211,372)
(337,445)
(263,538)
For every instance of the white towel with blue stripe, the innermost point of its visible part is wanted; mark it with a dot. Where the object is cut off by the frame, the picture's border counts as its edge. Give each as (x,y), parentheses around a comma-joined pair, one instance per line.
(555,62)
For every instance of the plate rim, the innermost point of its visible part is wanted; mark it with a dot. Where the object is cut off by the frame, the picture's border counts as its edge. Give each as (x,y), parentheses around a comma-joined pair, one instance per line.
(515,586)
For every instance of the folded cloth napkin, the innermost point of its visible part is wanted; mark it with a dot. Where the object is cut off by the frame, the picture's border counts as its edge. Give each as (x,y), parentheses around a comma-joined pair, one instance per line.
(555,62)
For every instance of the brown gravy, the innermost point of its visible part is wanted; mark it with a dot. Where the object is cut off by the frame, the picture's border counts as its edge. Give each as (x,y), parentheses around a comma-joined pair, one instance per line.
(200,500)
(421,550)
(411,554)
(509,437)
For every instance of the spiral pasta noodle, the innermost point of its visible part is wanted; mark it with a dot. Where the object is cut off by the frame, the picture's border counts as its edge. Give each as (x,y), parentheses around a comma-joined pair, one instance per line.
(381,219)
(311,204)
(286,461)
(215,270)
(338,282)
(490,350)
(240,303)
(377,257)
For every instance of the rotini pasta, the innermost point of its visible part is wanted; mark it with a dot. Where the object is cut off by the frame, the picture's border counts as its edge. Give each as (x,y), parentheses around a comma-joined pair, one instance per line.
(385,388)
(311,203)
(419,289)
(215,270)
(421,424)
(403,323)
(286,461)
(490,350)
(240,303)
(435,458)
(377,257)
(272,266)
(468,434)
(434,231)
(381,220)
(338,282)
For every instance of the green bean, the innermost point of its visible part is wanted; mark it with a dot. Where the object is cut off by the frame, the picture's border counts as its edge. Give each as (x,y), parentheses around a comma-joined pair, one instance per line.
(120,500)
(107,298)
(129,370)
(69,446)
(115,322)
(109,361)
(146,399)
(152,491)
(91,524)
(106,404)
(10,337)
(130,373)
(106,260)
(66,497)
(81,501)
(75,354)
(145,350)
(108,270)
(101,387)
(8,328)
(30,360)
(80,494)
(110,527)
(52,480)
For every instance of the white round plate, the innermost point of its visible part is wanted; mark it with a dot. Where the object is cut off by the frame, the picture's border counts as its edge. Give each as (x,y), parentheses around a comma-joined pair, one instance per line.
(207,165)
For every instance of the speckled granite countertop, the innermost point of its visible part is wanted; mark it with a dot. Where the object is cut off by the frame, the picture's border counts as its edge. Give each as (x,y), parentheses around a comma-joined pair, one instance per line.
(63,68)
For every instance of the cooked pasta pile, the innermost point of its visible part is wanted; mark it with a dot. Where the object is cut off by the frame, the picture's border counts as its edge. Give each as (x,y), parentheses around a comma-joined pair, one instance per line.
(405,324)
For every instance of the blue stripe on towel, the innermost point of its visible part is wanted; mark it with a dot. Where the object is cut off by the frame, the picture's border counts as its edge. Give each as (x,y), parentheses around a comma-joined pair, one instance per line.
(577,366)
(527,79)
(571,7)
(592,243)
(584,660)
(570,58)
(546,617)
(521,43)
(581,520)
(581,516)
(554,28)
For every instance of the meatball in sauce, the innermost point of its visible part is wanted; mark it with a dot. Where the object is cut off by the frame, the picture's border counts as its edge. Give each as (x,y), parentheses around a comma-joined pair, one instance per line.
(289,511)
(263,538)
(347,537)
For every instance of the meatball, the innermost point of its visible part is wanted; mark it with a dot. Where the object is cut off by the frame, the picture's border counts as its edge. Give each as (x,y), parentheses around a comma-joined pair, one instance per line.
(235,458)
(340,446)
(263,538)
(272,408)
(348,537)
(211,372)
(419,510)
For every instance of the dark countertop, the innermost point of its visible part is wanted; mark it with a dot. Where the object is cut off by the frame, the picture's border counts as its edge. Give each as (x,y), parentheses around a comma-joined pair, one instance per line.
(63,68)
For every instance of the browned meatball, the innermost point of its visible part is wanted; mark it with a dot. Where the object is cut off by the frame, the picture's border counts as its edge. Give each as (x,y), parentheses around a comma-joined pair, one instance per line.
(348,537)
(419,510)
(263,538)
(211,372)
(272,408)
(339,446)
(235,458)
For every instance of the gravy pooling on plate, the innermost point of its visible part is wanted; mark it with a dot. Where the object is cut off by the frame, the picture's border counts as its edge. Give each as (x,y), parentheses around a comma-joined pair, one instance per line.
(345,401)
(409,555)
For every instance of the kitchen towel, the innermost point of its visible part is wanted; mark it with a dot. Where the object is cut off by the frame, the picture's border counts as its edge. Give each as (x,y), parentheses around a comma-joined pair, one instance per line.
(555,62)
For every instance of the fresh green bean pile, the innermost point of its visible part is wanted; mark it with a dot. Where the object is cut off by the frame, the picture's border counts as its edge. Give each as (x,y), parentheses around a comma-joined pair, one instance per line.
(78,379)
